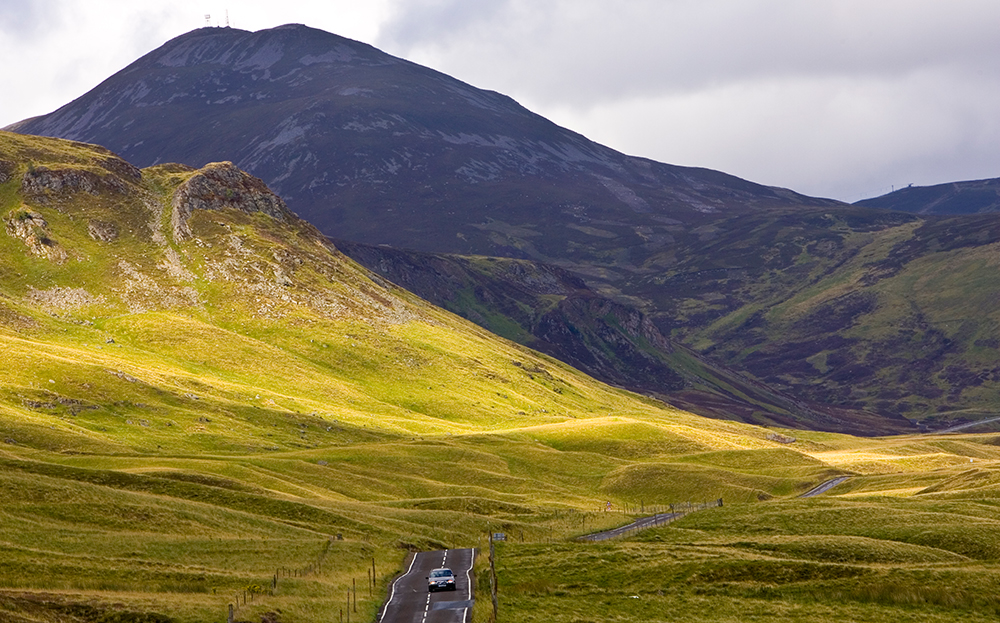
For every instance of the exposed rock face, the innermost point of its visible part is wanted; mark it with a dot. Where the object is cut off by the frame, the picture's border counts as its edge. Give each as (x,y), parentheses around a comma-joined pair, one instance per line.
(32,229)
(41,182)
(221,185)
(63,298)
(102,231)
(7,169)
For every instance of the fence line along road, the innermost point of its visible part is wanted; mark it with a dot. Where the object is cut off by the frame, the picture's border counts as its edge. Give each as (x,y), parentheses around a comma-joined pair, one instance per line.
(410,601)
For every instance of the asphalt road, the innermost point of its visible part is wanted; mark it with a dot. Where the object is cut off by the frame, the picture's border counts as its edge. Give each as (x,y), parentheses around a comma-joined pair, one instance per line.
(638,524)
(823,488)
(409,601)
(955,429)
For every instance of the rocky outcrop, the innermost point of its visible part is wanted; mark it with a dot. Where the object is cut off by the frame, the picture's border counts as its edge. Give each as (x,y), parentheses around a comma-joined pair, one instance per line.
(218,186)
(63,298)
(122,169)
(7,169)
(32,229)
(42,183)
(102,231)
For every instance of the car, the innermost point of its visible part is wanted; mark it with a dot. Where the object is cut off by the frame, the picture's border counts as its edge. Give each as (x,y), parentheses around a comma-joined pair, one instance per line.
(441,579)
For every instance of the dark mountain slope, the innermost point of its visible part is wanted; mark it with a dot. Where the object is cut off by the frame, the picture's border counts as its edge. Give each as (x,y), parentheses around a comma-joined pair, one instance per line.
(972,197)
(373,148)
(553,311)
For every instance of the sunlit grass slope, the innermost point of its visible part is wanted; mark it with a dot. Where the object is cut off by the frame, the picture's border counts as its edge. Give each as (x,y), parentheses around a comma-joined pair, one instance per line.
(911,538)
(192,402)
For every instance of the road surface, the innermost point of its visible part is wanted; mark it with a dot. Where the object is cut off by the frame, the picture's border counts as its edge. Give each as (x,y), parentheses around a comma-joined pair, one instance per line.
(409,601)
(823,488)
(958,427)
(638,524)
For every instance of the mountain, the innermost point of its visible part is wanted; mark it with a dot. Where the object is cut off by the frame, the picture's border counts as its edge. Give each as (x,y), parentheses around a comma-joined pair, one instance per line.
(372,148)
(972,197)
(794,307)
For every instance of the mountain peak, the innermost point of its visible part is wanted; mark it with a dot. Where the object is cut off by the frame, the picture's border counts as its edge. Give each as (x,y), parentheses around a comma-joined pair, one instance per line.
(243,50)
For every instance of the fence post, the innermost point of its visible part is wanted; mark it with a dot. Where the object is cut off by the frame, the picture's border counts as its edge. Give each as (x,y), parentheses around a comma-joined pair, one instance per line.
(230,618)
(354,583)
(493,580)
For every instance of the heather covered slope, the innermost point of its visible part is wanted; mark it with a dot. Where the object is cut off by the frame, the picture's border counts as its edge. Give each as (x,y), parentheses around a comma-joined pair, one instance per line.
(551,310)
(900,319)
(971,197)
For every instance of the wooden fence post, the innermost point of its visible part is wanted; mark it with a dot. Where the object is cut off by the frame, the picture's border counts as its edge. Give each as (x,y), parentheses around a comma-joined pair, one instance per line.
(494,589)
(230,619)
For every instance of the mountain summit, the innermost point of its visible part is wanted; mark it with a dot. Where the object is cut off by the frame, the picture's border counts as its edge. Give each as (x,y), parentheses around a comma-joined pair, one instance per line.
(373,148)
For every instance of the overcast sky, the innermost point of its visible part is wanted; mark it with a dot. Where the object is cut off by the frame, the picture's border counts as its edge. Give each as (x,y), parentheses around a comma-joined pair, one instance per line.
(836,98)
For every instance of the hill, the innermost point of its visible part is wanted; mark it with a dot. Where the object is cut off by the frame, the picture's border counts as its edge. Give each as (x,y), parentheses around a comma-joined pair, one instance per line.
(972,197)
(372,148)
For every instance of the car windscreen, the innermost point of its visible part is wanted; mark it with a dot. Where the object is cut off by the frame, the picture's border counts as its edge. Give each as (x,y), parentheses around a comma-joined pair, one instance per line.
(441,573)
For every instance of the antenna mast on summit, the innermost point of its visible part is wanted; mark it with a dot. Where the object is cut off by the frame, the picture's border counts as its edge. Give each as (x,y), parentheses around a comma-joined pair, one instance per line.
(227,18)
(208,19)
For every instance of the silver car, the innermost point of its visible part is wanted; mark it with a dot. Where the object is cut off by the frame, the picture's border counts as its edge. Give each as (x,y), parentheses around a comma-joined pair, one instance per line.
(441,580)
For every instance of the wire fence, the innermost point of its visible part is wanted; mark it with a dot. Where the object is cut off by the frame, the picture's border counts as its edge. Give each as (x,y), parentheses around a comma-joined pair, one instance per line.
(255,592)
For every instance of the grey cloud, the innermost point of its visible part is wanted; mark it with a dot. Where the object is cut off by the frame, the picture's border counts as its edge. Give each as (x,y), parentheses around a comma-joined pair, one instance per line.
(582,51)
(22,20)
(841,98)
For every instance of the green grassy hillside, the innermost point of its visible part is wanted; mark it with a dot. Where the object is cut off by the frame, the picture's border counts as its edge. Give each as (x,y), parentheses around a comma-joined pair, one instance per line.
(198,393)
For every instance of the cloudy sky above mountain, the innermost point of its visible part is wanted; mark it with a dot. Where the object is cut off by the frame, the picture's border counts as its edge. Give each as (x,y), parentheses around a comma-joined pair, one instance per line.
(838,98)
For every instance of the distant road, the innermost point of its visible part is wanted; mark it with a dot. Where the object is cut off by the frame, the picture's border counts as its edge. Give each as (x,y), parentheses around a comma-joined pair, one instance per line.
(958,427)
(638,524)
(409,601)
(823,488)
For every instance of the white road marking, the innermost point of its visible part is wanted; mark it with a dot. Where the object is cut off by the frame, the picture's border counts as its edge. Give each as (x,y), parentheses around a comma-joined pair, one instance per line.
(427,604)
(392,593)
(468,583)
